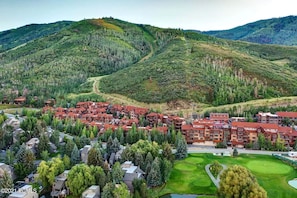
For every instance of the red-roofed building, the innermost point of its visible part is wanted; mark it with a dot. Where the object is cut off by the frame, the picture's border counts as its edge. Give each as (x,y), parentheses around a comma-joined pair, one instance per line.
(221,117)
(267,118)
(153,118)
(20,100)
(292,116)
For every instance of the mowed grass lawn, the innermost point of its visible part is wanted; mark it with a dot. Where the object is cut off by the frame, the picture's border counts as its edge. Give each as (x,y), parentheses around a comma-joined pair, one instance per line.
(189,177)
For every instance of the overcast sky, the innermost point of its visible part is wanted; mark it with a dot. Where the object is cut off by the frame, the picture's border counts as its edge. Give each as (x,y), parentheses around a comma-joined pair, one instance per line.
(185,14)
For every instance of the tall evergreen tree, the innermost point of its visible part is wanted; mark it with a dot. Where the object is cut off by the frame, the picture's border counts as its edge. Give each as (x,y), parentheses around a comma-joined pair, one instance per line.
(154,177)
(95,157)
(69,147)
(43,144)
(75,156)
(117,173)
(181,147)
(55,137)
(115,147)
(9,157)
(20,154)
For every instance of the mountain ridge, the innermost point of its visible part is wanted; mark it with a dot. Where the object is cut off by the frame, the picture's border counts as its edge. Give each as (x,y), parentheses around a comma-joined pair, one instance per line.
(280,31)
(146,63)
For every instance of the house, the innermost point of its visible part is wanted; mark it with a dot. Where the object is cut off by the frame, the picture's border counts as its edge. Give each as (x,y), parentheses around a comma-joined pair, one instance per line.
(267,118)
(292,116)
(32,144)
(20,100)
(91,192)
(59,188)
(221,117)
(84,153)
(26,191)
(131,172)
(4,167)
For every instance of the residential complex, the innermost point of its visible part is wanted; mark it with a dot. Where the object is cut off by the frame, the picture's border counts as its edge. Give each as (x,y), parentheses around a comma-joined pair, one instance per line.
(218,127)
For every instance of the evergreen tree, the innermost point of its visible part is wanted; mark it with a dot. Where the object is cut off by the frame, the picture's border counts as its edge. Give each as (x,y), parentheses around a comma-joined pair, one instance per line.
(75,156)
(139,161)
(166,167)
(45,155)
(167,152)
(9,157)
(95,157)
(69,147)
(235,152)
(181,147)
(100,177)
(55,138)
(121,191)
(115,147)
(109,146)
(6,183)
(148,161)
(154,177)
(20,154)
(108,190)
(43,145)
(140,188)
(67,162)
(117,173)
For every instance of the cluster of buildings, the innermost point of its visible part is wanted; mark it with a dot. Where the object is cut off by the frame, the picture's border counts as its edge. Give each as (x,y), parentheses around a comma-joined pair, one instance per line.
(218,127)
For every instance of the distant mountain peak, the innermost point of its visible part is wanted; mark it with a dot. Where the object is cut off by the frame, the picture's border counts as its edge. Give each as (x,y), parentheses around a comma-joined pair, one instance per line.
(280,31)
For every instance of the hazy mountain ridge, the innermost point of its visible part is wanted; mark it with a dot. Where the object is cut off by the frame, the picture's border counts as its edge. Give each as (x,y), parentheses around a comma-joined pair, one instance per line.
(280,31)
(15,37)
(175,65)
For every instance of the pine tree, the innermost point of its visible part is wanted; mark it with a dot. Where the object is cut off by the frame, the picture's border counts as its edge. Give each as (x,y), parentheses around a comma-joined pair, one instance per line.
(109,145)
(43,144)
(75,156)
(55,137)
(20,154)
(95,157)
(69,147)
(117,173)
(6,183)
(181,147)
(115,147)
(154,177)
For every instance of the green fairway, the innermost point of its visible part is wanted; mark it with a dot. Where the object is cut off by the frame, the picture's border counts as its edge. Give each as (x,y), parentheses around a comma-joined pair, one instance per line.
(189,177)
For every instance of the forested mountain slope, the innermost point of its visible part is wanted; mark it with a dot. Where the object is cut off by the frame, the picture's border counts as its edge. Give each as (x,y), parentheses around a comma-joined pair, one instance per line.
(175,65)
(59,63)
(204,69)
(281,31)
(12,38)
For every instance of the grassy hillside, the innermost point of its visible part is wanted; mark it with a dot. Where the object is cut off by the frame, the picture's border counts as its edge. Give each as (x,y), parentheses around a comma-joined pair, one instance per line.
(148,64)
(15,37)
(281,31)
(57,64)
(214,71)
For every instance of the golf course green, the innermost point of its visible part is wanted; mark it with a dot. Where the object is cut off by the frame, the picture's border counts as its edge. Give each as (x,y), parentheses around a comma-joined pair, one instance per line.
(189,177)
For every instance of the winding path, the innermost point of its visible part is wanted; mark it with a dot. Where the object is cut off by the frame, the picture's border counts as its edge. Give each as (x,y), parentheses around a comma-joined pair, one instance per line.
(216,181)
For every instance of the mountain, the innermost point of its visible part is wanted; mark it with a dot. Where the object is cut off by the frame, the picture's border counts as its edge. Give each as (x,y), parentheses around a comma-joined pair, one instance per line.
(15,37)
(280,31)
(146,63)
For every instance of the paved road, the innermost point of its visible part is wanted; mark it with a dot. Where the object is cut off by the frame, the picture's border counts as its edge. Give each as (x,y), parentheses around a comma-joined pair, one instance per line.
(198,149)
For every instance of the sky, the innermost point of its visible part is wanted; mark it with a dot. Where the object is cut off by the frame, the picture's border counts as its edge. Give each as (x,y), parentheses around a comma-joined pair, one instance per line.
(185,14)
